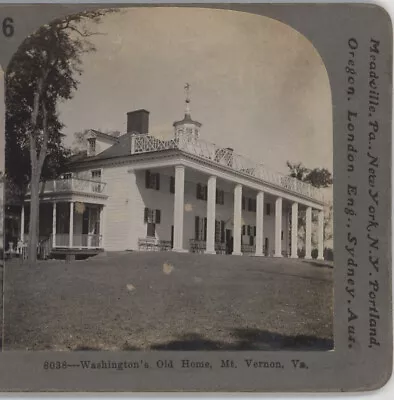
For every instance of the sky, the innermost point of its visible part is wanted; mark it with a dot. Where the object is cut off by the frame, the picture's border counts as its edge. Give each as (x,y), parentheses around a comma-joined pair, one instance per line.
(257,85)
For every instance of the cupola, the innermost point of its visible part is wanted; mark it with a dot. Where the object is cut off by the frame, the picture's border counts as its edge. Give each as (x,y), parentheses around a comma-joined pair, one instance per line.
(187,126)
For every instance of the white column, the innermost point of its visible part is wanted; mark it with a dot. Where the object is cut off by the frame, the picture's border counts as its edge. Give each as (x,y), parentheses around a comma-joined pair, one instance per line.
(308,233)
(320,236)
(54,224)
(22,223)
(71,231)
(259,223)
(237,220)
(278,227)
(211,214)
(294,230)
(101,233)
(179,205)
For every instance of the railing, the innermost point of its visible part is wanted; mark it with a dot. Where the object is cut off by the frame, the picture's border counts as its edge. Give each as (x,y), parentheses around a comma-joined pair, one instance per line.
(248,249)
(79,240)
(223,156)
(72,185)
(153,244)
(199,246)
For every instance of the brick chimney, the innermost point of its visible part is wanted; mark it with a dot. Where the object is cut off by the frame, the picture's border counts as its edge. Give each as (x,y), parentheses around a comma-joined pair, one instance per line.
(138,121)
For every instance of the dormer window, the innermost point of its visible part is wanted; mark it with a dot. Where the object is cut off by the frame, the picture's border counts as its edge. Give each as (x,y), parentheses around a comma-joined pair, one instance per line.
(91,146)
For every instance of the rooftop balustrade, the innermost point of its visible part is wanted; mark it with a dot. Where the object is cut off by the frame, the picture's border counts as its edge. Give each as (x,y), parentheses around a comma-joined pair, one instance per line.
(227,157)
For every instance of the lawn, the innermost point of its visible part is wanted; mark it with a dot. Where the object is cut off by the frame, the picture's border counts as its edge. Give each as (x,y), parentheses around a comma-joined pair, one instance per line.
(169,301)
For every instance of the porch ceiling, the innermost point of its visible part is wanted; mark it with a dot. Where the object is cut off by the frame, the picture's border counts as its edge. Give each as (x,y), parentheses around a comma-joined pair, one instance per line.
(68,197)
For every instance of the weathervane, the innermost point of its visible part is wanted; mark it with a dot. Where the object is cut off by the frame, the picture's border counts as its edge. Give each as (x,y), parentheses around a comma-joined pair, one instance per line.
(187,93)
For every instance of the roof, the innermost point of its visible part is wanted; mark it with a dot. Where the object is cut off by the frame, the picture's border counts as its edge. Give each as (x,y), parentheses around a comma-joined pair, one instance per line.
(122,147)
(105,135)
(78,156)
(187,120)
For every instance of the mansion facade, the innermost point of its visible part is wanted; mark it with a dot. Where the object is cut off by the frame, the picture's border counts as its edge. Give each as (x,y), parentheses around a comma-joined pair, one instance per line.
(138,192)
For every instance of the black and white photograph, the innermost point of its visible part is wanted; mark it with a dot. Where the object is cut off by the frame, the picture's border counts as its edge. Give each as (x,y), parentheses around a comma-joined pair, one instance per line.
(195,197)
(169,185)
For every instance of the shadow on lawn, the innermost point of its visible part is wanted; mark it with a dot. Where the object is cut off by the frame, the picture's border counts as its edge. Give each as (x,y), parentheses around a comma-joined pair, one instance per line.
(319,264)
(247,339)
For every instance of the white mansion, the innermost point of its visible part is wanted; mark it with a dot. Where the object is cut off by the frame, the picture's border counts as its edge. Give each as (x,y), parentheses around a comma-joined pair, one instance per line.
(138,192)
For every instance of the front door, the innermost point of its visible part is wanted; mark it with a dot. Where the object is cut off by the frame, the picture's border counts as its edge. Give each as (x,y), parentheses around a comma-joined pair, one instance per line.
(229,241)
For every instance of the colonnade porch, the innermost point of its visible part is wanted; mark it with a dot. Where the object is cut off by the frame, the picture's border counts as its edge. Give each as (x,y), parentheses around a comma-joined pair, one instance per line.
(294,208)
(67,224)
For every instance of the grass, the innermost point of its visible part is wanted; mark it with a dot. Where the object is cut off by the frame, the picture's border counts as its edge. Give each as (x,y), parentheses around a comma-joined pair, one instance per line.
(129,301)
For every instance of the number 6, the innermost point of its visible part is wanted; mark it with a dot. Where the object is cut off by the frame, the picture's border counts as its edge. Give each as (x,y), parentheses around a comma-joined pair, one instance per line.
(8,28)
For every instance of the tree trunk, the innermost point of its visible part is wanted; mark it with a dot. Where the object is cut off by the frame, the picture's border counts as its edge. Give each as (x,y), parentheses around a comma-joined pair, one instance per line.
(37,158)
(34,217)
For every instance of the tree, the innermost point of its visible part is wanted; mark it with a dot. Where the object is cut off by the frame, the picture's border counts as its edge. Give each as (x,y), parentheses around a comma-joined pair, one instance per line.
(319,178)
(297,170)
(42,73)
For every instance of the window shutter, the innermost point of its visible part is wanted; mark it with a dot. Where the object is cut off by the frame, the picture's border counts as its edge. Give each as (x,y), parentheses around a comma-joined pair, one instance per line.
(243,202)
(196,228)
(254,231)
(198,191)
(222,197)
(250,206)
(268,208)
(205,192)
(146,212)
(147,178)
(248,231)
(158,216)
(222,232)
(243,229)
(251,240)
(216,229)
(205,229)
(157,181)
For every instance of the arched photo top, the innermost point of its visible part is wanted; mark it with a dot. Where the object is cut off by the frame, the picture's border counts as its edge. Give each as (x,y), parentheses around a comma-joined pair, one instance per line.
(252,77)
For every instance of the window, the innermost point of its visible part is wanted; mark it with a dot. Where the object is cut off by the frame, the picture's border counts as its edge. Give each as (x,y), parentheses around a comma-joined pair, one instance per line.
(243,202)
(281,235)
(200,228)
(243,230)
(251,240)
(67,175)
(268,209)
(91,146)
(152,180)
(219,231)
(152,216)
(219,196)
(96,176)
(172,184)
(202,192)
